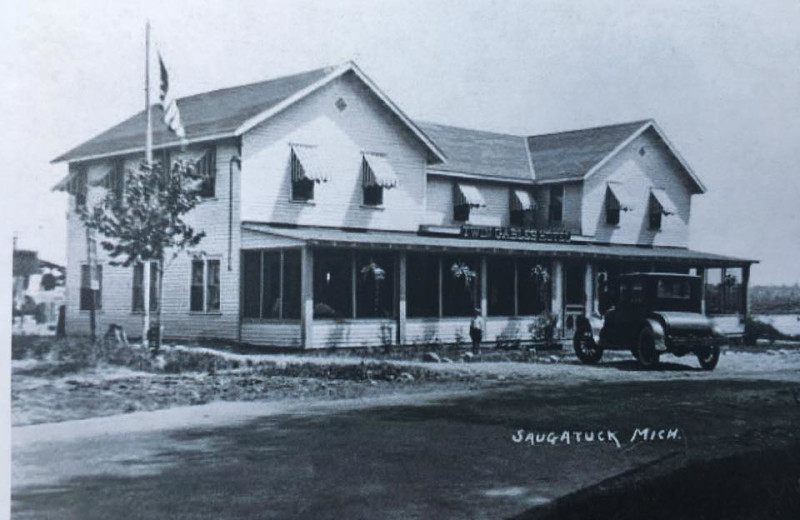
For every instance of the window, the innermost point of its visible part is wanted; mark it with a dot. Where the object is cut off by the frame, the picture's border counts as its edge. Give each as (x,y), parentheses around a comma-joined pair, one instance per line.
(500,286)
(375,285)
(271,284)
(522,208)
(114,180)
(422,285)
(205,287)
(461,213)
(333,284)
(373,196)
(206,168)
(377,174)
(87,285)
(79,186)
(673,289)
(460,285)
(306,170)
(466,197)
(137,298)
(612,214)
(654,216)
(556,207)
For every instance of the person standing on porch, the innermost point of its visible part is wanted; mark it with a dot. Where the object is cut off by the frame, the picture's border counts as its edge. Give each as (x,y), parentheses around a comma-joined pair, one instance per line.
(476,331)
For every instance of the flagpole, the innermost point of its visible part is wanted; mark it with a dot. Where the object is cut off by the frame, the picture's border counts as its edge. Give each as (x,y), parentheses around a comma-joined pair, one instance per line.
(148,159)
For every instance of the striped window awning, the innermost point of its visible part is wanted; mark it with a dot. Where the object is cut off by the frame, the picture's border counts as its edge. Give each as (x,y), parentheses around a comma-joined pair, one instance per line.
(468,195)
(307,165)
(662,199)
(377,171)
(521,200)
(619,197)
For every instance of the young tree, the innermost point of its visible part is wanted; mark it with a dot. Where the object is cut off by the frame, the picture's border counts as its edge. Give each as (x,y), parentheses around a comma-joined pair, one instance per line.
(144,222)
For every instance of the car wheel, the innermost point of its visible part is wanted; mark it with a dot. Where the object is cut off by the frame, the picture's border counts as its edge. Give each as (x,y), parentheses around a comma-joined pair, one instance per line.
(585,347)
(646,348)
(708,357)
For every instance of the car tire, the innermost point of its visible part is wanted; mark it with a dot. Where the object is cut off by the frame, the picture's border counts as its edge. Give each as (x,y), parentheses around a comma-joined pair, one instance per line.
(646,349)
(585,347)
(708,358)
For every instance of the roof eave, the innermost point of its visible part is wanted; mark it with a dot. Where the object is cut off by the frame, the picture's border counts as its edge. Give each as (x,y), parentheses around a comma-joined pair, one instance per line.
(140,149)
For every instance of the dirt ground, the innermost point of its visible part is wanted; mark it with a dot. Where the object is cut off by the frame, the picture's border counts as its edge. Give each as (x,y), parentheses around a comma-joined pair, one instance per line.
(53,383)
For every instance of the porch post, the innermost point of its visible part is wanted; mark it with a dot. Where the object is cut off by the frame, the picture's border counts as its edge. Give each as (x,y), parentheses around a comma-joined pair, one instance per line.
(401,301)
(745,283)
(701,272)
(306,296)
(588,287)
(484,287)
(557,297)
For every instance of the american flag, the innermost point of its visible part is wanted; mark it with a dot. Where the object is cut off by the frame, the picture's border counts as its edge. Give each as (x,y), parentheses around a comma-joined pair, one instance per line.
(172,116)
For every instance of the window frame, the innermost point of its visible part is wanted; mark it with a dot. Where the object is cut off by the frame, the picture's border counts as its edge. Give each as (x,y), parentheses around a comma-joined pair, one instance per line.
(205,284)
(551,205)
(208,185)
(137,303)
(372,191)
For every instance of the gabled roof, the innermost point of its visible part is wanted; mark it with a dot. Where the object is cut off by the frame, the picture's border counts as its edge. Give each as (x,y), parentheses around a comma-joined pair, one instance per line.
(485,154)
(573,154)
(578,154)
(229,112)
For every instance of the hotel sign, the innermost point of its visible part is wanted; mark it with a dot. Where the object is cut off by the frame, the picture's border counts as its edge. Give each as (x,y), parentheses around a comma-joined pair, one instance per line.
(514,234)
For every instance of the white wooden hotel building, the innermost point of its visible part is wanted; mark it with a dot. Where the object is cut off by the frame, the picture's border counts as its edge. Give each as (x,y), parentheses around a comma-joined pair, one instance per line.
(334,220)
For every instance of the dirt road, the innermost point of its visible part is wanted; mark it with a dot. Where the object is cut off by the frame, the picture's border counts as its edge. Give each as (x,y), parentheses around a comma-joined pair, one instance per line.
(494,452)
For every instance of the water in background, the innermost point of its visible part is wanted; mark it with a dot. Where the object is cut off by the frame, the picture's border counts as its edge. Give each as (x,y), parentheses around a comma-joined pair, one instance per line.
(786,323)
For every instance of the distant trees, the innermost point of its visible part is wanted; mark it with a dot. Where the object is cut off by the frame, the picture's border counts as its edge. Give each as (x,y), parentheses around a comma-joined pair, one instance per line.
(775,298)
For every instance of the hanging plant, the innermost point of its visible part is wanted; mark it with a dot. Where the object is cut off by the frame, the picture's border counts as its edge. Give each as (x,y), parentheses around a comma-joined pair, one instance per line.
(460,270)
(373,269)
(378,274)
(540,274)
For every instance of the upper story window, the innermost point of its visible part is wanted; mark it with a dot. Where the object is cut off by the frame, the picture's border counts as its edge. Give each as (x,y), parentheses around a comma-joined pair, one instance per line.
(522,209)
(660,205)
(555,210)
(465,198)
(78,186)
(206,167)
(114,181)
(306,171)
(377,175)
(617,201)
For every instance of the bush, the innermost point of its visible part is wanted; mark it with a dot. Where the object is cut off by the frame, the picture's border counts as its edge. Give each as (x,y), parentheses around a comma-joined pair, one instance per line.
(755,329)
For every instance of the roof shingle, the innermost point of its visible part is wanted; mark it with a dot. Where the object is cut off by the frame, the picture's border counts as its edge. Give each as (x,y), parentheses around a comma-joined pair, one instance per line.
(203,115)
(570,155)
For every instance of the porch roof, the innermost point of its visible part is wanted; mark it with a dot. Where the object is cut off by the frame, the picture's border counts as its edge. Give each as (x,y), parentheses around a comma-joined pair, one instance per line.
(351,238)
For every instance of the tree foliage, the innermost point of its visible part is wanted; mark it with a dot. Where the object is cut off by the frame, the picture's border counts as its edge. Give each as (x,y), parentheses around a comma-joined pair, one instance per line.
(146,220)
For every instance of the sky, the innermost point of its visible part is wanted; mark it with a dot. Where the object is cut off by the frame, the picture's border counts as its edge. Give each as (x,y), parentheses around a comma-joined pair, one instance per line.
(721,78)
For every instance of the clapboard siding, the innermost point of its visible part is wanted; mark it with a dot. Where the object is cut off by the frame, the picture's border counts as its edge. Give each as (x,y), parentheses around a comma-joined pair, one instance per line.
(422,331)
(210,216)
(340,137)
(637,173)
(351,333)
(440,203)
(273,334)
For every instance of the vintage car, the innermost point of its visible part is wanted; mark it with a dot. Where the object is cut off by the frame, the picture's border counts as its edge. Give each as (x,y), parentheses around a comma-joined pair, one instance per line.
(654,313)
